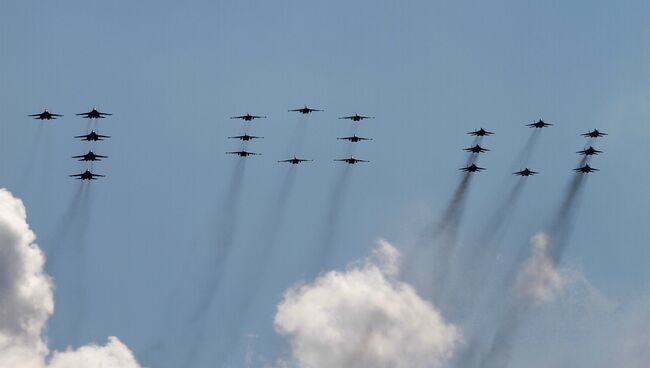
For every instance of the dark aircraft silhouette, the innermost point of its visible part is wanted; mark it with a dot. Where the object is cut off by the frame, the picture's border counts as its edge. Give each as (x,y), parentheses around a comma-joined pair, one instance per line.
(243,153)
(585,169)
(476,149)
(525,172)
(357,117)
(94,114)
(305,110)
(472,168)
(355,138)
(589,151)
(92,136)
(294,160)
(86,175)
(480,133)
(90,156)
(351,160)
(539,124)
(244,137)
(248,117)
(594,134)
(45,115)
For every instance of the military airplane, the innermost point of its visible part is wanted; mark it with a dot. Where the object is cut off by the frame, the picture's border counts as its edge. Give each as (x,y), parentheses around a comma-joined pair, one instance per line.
(585,169)
(90,156)
(472,168)
(94,114)
(589,151)
(295,160)
(244,137)
(86,175)
(92,136)
(525,172)
(480,133)
(594,134)
(243,153)
(476,149)
(357,117)
(351,160)
(539,124)
(248,117)
(355,138)
(45,115)
(305,110)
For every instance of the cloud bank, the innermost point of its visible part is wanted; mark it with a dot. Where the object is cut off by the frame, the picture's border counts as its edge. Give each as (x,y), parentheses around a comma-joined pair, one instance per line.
(26,303)
(364,317)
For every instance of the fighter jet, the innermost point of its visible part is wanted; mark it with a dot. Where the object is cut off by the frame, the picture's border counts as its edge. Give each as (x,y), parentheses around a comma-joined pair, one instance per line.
(585,169)
(94,114)
(589,151)
(355,138)
(476,149)
(244,137)
(594,134)
(294,160)
(248,117)
(86,175)
(472,168)
(45,115)
(480,133)
(357,117)
(243,153)
(525,172)
(92,136)
(539,124)
(90,156)
(305,110)
(351,160)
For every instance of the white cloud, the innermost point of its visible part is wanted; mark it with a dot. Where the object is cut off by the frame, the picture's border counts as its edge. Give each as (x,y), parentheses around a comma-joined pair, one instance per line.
(540,280)
(26,303)
(364,318)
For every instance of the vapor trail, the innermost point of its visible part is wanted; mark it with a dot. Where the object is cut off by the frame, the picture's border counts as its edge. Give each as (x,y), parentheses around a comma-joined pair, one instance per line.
(501,347)
(523,156)
(70,238)
(239,312)
(332,220)
(226,227)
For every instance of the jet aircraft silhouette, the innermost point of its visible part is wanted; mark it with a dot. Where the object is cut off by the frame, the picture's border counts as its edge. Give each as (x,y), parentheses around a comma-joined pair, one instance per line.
(94,114)
(86,175)
(305,110)
(92,136)
(355,138)
(525,172)
(357,117)
(294,160)
(90,156)
(480,133)
(45,115)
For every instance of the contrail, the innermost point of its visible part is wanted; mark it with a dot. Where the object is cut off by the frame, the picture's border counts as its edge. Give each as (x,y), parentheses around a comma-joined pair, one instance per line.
(332,220)
(523,156)
(501,347)
(71,236)
(226,226)
(241,309)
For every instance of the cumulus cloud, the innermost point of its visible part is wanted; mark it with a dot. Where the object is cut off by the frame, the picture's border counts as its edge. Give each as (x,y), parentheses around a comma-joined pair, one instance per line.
(26,303)
(539,279)
(363,317)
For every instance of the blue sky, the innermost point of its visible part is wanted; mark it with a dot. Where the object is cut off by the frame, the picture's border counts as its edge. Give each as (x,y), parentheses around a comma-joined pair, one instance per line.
(172,73)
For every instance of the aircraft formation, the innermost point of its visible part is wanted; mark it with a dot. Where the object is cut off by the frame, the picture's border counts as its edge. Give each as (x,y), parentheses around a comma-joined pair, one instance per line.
(295,160)
(93,136)
(475,150)
(539,124)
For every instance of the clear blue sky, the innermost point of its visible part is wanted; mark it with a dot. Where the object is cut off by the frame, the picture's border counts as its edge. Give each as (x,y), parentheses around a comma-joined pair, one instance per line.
(172,73)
